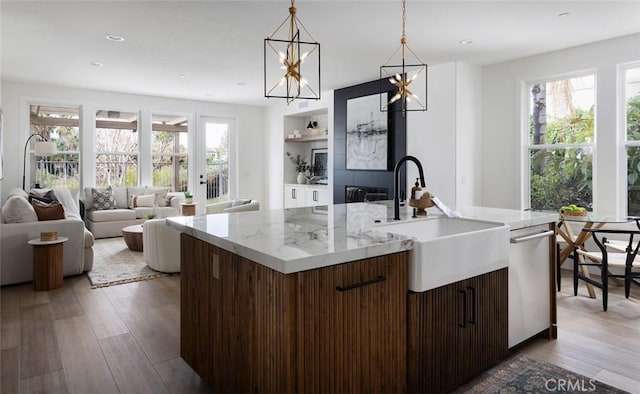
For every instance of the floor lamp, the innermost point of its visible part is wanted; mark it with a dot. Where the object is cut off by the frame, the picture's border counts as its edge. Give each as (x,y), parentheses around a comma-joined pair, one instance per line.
(44,147)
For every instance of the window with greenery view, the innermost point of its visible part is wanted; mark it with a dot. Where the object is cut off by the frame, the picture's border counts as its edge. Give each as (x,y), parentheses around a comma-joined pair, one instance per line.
(561,135)
(60,125)
(116,148)
(169,149)
(632,123)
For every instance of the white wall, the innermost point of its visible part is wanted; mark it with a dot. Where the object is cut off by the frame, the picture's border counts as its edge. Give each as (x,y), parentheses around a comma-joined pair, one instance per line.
(503,113)
(445,137)
(17,96)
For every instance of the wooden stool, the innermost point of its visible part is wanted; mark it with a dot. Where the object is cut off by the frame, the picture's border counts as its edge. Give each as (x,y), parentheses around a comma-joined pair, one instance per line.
(188,209)
(47,263)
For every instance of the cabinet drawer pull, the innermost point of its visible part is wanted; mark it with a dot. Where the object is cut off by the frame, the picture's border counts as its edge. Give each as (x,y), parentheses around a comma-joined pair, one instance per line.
(531,237)
(473,305)
(463,293)
(379,278)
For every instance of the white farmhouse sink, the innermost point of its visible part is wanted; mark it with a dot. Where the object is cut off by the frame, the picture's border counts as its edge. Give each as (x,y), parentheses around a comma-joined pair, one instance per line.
(446,250)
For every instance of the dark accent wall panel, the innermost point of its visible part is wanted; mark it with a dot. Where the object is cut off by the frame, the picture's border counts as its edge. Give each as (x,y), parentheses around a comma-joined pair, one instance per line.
(397,145)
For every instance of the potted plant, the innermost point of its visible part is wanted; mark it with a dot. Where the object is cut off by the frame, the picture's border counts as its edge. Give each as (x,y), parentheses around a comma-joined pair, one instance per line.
(188,197)
(301,167)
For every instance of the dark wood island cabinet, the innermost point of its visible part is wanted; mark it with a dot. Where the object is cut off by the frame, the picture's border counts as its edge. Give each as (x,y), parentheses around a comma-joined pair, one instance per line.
(338,329)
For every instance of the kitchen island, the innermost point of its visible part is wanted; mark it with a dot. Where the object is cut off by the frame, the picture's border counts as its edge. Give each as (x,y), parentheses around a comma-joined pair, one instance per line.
(302,300)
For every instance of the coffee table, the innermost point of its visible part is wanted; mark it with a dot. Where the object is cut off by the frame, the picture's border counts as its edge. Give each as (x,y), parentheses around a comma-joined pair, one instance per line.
(133,237)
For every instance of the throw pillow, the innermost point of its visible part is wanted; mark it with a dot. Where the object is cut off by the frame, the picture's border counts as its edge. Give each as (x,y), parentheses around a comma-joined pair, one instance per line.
(102,199)
(18,210)
(44,195)
(48,211)
(147,200)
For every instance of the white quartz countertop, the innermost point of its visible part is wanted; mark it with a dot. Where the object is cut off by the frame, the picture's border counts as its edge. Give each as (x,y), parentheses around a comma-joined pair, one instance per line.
(299,239)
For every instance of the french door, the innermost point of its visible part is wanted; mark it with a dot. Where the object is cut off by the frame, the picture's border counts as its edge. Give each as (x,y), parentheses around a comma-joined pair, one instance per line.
(215,161)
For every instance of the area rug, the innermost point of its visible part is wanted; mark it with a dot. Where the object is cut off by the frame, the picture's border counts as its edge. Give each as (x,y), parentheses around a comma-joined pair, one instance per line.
(114,264)
(523,374)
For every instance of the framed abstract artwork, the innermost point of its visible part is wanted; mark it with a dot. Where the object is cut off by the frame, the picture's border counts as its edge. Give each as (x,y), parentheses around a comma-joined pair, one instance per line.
(367,134)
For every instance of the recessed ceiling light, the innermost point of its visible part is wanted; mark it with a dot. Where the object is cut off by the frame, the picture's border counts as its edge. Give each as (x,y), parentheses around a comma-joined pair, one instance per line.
(97,64)
(466,42)
(181,76)
(241,83)
(563,14)
(113,37)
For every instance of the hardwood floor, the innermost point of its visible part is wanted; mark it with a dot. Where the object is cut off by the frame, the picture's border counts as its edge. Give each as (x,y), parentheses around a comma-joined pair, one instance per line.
(120,339)
(125,339)
(600,345)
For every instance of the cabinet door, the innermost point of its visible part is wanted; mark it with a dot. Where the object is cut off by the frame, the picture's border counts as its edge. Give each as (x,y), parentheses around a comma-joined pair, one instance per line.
(487,320)
(353,335)
(316,196)
(456,331)
(436,324)
(294,197)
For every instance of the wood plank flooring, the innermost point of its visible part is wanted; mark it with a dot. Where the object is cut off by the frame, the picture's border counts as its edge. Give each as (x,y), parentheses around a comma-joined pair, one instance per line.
(125,339)
(121,339)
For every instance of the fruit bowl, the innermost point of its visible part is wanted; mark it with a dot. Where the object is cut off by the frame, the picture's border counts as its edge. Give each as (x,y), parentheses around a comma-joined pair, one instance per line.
(573,211)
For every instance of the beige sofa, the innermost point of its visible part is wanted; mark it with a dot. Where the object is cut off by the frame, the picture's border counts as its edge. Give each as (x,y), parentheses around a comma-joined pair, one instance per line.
(107,223)
(20,224)
(237,205)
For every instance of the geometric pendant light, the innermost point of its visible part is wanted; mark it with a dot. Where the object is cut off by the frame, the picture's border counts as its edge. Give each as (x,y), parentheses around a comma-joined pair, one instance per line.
(291,61)
(408,75)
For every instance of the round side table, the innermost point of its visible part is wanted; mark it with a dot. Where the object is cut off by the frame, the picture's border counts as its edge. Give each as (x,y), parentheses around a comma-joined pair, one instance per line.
(47,263)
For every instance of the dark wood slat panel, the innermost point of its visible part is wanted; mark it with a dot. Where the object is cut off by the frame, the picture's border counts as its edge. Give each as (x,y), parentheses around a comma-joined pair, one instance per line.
(354,340)
(277,333)
(456,331)
(195,329)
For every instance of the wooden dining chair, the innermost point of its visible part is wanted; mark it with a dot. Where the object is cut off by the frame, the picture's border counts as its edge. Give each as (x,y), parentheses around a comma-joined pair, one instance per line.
(612,254)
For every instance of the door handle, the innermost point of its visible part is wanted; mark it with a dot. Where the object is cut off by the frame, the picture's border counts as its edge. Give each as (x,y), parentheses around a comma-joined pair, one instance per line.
(464,309)
(531,237)
(379,278)
(203,182)
(473,305)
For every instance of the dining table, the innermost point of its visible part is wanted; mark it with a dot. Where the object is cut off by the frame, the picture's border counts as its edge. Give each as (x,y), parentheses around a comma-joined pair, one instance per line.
(577,239)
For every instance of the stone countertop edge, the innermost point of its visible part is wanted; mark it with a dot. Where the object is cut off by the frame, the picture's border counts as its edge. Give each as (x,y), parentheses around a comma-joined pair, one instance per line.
(302,259)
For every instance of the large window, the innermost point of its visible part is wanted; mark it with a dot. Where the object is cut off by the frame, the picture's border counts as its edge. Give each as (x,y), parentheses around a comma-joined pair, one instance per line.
(60,125)
(632,123)
(169,149)
(561,135)
(116,148)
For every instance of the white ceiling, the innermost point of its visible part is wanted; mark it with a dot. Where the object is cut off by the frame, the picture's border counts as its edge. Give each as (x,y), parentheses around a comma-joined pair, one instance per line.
(218,45)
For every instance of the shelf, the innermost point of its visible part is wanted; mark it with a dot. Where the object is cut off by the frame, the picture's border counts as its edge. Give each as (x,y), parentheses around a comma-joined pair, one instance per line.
(307,138)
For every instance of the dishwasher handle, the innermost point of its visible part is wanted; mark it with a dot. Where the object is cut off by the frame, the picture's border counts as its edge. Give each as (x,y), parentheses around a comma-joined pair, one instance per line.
(531,237)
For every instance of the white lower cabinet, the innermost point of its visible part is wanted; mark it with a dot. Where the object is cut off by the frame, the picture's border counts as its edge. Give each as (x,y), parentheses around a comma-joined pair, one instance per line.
(529,283)
(296,196)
